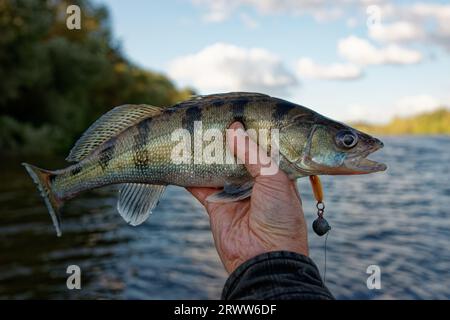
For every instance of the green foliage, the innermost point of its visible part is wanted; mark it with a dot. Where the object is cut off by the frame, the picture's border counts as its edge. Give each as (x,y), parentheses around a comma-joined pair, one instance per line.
(435,122)
(56,81)
(24,138)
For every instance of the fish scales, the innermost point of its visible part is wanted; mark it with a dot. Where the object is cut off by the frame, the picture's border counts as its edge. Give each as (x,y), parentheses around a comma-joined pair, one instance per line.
(133,145)
(142,153)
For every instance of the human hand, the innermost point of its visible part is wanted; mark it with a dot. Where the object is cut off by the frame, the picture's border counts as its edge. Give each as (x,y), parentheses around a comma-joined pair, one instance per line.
(271,220)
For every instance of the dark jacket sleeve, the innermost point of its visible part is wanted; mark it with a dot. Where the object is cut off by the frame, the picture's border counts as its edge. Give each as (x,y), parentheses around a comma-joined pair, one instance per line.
(279,275)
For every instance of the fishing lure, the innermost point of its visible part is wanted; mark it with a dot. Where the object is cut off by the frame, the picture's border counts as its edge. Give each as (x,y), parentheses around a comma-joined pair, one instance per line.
(320,224)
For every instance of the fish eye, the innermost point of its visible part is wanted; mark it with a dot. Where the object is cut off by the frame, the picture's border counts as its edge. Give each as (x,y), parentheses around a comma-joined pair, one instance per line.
(346,139)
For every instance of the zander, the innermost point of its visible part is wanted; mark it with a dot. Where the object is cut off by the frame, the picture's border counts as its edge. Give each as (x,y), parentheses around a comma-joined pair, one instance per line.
(132,146)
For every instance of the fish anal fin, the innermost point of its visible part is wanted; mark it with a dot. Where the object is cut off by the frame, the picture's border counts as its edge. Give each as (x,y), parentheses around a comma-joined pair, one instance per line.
(136,201)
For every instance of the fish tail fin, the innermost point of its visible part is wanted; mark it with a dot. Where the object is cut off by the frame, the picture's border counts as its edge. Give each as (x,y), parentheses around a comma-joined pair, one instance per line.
(42,178)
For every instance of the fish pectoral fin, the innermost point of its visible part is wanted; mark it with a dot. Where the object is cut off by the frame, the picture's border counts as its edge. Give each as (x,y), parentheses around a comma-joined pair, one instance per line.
(232,193)
(136,201)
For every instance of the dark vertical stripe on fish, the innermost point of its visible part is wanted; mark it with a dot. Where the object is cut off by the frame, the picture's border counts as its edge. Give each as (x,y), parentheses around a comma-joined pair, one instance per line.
(281,110)
(107,154)
(169,111)
(218,103)
(140,154)
(75,170)
(238,109)
(193,114)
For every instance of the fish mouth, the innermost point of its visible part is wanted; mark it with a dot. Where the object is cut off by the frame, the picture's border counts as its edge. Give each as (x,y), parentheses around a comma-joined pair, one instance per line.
(359,164)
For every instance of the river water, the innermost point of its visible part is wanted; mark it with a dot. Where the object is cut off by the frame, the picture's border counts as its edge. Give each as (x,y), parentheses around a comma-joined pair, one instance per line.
(398,220)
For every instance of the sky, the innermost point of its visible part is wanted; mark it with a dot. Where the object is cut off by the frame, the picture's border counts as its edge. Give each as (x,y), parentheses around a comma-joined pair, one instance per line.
(351,60)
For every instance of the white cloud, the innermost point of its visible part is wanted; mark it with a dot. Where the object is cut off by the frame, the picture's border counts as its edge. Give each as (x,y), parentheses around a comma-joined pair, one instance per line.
(217,11)
(403,107)
(437,14)
(225,67)
(352,22)
(321,10)
(441,12)
(248,21)
(364,113)
(421,22)
(362,52)
(410,105)
(337,71)
(396,32)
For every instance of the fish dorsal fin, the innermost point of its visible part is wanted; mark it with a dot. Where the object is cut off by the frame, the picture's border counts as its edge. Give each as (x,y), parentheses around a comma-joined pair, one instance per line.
(109,125)
(136,201)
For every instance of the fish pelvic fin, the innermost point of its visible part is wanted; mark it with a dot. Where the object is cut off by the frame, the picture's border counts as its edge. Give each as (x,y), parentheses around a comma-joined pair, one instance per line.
(232,192)
(42,178)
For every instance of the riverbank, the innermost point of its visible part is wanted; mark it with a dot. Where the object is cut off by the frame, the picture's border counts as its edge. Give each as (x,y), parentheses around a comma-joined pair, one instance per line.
(429,123)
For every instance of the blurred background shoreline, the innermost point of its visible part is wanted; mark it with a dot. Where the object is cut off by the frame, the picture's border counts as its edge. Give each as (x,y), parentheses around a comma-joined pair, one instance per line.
(56,81)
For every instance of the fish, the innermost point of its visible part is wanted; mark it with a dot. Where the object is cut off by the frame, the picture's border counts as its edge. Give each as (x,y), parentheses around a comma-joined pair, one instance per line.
(132,146)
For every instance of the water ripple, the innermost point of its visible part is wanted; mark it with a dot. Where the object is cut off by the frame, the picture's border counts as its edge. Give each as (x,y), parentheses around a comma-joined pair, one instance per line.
(398,220)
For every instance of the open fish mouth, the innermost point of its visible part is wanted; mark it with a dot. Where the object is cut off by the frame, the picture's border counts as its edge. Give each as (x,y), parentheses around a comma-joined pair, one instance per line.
(359,164)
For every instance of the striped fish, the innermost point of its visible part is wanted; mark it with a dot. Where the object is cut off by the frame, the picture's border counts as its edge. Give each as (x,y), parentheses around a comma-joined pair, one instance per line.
(132,146)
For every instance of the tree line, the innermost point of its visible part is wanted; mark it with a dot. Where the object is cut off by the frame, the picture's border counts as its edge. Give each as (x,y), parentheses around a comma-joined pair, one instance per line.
(54,82)
(428,123)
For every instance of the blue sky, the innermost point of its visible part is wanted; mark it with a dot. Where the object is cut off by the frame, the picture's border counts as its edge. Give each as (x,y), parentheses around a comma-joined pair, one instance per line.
(316,53)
